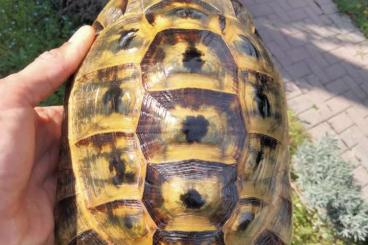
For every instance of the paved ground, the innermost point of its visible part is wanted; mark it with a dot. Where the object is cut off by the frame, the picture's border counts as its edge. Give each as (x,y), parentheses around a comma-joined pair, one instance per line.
(324,61)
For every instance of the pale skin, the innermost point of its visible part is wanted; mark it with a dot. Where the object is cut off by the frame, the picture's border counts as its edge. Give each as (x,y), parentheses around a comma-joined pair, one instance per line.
(30,142)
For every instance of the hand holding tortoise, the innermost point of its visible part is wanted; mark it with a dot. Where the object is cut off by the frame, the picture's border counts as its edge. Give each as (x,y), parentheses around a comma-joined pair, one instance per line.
(29,142)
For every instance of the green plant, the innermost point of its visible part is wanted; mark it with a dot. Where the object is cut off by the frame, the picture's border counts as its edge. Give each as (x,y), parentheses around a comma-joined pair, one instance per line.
(357,10)
(307,225)
(327,185)
(80,11)
(308,228)
(297,133)
(28,28)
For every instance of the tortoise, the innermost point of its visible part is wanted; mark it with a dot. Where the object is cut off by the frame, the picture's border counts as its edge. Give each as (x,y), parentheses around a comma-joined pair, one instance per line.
(175,131)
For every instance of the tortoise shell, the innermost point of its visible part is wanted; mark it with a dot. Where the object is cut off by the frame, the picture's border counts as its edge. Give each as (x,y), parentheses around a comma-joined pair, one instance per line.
(176,131)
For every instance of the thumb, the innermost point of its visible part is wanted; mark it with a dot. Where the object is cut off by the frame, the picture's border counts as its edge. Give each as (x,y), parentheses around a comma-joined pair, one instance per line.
(42,77)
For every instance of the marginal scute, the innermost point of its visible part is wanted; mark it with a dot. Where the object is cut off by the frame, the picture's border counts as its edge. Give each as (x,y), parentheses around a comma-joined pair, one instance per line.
(206,62)
(259,166)
(111,48)
(243,15)
(203,192)
(65,184)
(89,237)
(125,222)
(268,238)
(111,13)
(262,103)
(188,238)
(66,215)
(281,223)
(239,226)
(246,46)
(179,123)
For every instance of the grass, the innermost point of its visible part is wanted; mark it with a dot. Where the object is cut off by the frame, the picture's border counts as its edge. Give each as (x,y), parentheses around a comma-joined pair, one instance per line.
(357,10)
(27,28)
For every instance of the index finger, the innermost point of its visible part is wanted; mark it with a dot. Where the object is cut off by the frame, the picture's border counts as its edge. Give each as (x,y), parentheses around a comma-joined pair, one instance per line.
(42,77)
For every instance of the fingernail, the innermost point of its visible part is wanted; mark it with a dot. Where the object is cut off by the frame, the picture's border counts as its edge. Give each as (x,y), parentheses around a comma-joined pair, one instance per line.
(78,34)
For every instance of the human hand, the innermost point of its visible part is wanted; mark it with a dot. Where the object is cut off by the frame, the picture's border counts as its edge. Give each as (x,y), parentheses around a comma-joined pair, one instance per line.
(29,142)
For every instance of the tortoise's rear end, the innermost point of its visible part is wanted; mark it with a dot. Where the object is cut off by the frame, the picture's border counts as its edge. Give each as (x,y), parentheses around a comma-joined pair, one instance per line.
(176,131)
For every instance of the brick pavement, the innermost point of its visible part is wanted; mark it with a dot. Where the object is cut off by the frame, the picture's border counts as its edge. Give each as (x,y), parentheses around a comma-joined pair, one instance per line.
(324,60)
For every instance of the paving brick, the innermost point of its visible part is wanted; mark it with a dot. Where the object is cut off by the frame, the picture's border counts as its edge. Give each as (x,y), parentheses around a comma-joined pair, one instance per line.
(260,10)
(340,122)
(297,14)
(298,70)
(338,104)
(298,54)
(292,90)
(358,113)
(321,130)
(351,136)
(338,86)
(335,71)
(300,104)
(319,96)
(315,115)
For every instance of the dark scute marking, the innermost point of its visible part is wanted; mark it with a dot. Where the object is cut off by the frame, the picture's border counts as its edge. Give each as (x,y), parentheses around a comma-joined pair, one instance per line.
(263,103)
(128,222)
(150,17)
(245,220)
(116,204)
(195,128)
(188,13)
(269,238)
(259,158)
(251,201)
(156,9)
(89,237)
(112,97)
(126,38)
(188,238)
(117,164)
(247,47)
(192,59)
(130,177)
(100,140)
(192,199)
(222,22)
(98,26)
(268,141)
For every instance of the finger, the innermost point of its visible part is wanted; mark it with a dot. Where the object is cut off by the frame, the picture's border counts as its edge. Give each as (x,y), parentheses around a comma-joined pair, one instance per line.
(48,129)
(42,77)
